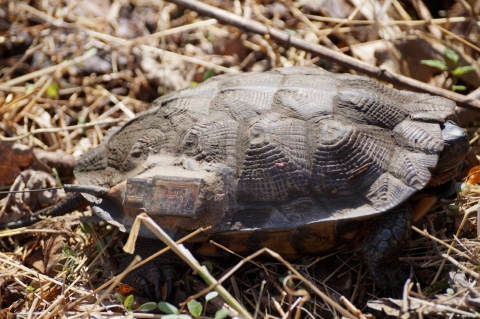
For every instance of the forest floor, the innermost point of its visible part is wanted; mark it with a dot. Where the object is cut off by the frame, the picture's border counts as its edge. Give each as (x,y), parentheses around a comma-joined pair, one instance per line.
(70,70)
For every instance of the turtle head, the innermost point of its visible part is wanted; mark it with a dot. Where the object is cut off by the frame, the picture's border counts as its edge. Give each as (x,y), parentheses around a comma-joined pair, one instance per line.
(451,158)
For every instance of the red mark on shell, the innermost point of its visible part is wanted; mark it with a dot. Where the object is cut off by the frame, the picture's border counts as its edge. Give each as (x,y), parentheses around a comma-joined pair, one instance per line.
(279,165)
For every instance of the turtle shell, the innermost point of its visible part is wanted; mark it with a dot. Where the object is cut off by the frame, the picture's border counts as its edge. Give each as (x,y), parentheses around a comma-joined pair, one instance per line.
(269,153)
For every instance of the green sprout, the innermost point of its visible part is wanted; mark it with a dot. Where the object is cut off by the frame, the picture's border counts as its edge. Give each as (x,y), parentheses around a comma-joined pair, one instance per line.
(454,72)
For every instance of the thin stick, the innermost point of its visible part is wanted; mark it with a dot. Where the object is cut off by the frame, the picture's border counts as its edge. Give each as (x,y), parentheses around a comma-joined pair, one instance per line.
(186,256)
(6,260)
(293,270)
(21,60)
(318,50)
(32,308)
(450,247)
(188,59)
(462,267)
(58,129)
(53,305)
(459,39)
(389,22)
(30,76)
(23,230)
(171,31)
(133,268)
(257,307)
(352,308)
(4,108)
(467,212)
(117,280)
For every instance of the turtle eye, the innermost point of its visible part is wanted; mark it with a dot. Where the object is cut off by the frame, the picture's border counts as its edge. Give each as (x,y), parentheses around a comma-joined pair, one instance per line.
(137,150)
(191,139)
(190,143)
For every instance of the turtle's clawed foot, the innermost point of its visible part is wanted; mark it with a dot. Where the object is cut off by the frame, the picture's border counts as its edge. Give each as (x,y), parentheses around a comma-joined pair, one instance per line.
(156,278)
(384,243)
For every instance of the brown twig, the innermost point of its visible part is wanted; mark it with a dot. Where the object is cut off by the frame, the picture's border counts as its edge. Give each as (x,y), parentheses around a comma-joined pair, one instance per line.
(315,49)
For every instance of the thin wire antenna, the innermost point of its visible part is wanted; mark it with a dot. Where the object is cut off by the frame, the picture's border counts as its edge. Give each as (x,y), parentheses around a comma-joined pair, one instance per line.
(31,190)
(69,188)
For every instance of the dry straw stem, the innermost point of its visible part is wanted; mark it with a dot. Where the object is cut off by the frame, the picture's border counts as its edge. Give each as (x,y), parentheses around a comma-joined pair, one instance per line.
(120,41)
(467,213)
(389,22)
(293,270)
(30,76)
(187,59)
(58,129)
(117,280)
(164,250)
(12,103)
(114,282)
(450,247)
(116,315)
(352,308)
(27,54)
(318,50)
(459,39)
(23,230)
(188,258)
(5,260)
(442,308)
(133,268)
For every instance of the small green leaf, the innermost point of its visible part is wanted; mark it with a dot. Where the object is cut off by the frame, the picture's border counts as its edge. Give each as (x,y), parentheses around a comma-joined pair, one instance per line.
(86,228)
(52,90)
(210,37)
(458,88)
(67,251)
(146,307)
(128,303)
(461,70)
(195,308)
(451,55)
(119,297)
(453,208)
(30,288)
(193,84)
(57,177)
(211,295)
(167,308)
(177,317)
(208,265)
(208,74)
(450,291)
(222,313)
(435,64)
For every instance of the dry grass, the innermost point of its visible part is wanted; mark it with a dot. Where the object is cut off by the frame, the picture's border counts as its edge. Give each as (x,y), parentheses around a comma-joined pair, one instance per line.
(70,70)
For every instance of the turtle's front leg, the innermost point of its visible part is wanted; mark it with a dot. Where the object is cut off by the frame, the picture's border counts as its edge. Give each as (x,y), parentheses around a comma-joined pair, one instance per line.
(387,236)
(150,277)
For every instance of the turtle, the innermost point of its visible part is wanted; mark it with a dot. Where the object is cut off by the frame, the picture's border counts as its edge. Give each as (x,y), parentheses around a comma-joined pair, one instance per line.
(296,159)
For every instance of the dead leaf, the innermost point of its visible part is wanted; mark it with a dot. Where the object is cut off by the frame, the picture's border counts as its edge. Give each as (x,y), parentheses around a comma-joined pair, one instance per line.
(13,158)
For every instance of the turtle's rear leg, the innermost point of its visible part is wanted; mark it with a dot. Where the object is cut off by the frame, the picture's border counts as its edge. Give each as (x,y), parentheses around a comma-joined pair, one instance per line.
(387,237)
(151,277)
